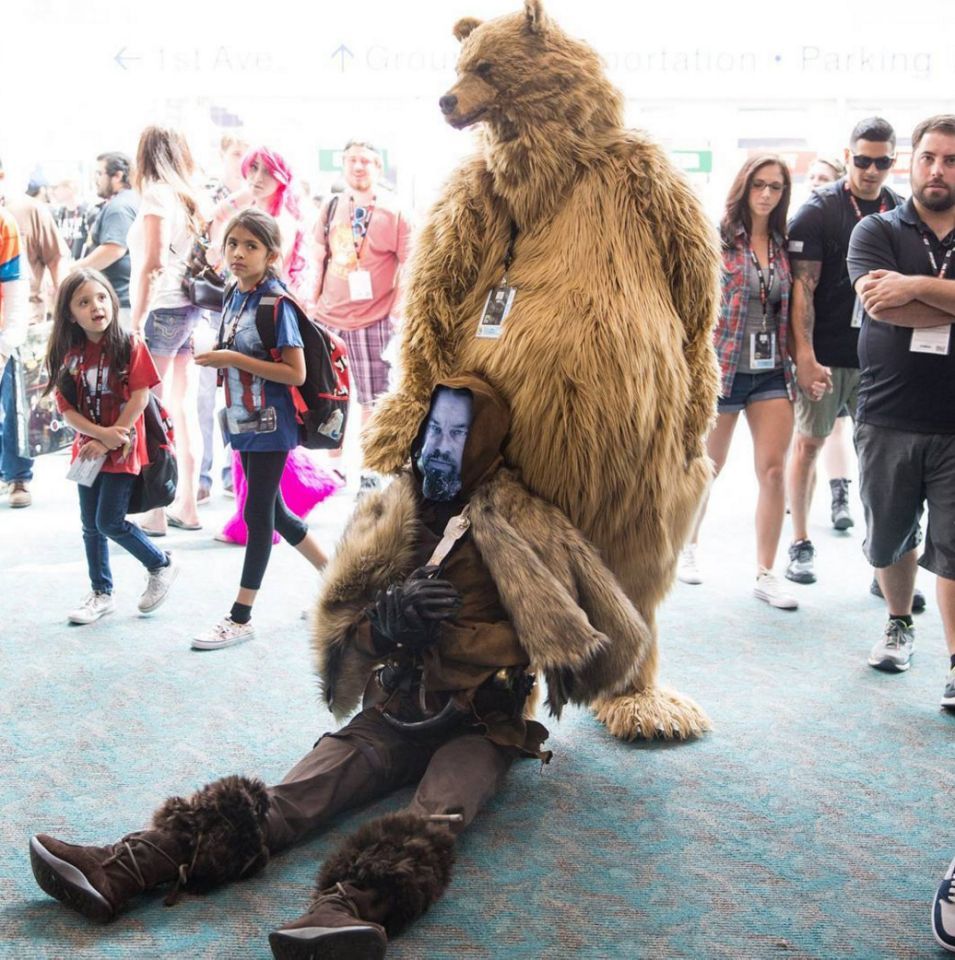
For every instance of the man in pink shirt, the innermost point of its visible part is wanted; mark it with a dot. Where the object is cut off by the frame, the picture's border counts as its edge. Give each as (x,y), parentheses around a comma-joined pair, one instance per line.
(363,240)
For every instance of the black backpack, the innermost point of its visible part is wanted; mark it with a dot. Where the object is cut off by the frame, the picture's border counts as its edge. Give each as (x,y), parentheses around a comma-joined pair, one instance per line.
(155,485)
(321,402)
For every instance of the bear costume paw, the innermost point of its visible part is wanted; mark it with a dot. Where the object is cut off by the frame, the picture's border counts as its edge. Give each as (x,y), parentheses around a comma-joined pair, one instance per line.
(653,713)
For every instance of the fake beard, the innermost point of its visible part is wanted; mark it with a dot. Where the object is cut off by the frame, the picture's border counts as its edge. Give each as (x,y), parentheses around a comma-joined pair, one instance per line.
(438,483)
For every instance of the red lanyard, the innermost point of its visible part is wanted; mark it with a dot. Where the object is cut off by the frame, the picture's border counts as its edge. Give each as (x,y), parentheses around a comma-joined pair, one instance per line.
(764,287)
(94,401)
(363,226)
(883,204)
(939,272)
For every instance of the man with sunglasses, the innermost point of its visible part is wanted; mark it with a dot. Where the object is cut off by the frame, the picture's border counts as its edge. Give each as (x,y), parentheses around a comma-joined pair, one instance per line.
(824,323)
(902,266)
(363,240)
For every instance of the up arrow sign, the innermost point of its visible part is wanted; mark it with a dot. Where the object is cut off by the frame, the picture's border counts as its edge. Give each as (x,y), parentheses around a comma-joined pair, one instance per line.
(342,52)
(122,60)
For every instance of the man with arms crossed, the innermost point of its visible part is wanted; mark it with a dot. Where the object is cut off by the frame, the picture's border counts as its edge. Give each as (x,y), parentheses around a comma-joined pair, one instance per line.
(825,330)
(901,266)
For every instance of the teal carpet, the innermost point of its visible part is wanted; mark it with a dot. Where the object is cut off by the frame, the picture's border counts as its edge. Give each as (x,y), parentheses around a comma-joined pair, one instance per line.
(814,822)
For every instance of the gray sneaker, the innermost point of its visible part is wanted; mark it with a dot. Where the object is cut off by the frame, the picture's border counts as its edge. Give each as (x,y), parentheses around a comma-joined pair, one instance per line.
(841,518)
(948,697)
(802,554)
(894,651)
(157,586)
(94,606)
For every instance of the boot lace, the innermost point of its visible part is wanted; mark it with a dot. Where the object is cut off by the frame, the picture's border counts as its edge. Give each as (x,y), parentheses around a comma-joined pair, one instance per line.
(336,896)
(125,858)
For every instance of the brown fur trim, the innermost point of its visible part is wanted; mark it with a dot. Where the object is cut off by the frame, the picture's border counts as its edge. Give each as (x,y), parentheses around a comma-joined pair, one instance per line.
(221,826)
(376,550)
(571,615)
(405,860)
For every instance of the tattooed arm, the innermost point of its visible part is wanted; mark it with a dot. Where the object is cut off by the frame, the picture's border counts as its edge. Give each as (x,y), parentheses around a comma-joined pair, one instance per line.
(814,379)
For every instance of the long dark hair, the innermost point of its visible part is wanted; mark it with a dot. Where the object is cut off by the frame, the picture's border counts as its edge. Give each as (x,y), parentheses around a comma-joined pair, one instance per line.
(737,211)
(67,333)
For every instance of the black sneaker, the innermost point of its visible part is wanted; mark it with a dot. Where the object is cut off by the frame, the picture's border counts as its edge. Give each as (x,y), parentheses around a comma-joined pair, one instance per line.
(802,555)
(918,598)
(841,518)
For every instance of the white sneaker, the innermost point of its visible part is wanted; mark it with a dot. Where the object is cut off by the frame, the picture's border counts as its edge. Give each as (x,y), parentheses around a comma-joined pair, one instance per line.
(224,634)
(157,586)
(687,570)
(94,606)
(768,588)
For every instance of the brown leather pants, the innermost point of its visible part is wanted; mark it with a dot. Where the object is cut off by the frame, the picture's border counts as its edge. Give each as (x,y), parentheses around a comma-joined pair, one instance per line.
(457,772)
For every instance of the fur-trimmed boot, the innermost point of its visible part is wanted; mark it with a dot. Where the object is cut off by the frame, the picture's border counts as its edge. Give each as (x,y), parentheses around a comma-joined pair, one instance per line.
(382,878)
(214,836)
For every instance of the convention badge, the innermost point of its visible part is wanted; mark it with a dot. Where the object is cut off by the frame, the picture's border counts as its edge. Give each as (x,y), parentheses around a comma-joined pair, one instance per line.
(496,308)
(931,340)
(858,311)
(267,422)
(85,472)
(762,350)
(359,285)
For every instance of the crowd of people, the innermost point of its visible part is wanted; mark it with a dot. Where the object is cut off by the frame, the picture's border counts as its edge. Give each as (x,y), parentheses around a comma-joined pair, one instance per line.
(842,310)
(104,286)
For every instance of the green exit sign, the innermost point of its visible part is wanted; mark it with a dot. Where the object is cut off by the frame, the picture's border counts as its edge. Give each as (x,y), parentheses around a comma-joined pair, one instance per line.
(330,161)
(693,161)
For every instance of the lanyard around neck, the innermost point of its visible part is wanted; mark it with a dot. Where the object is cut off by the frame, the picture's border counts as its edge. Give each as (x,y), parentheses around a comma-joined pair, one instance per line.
(939,272)
(883,201)
(764,286)
(359,240)
(94,400)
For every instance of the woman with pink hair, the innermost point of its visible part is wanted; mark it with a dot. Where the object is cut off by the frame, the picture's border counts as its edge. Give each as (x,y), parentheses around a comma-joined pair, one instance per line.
(269,186)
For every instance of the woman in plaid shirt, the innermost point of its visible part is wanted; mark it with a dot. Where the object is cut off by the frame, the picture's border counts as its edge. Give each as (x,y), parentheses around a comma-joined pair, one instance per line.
(751,344)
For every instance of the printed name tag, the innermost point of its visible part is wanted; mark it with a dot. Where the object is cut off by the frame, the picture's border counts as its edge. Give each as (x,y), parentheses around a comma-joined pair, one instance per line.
(762,350)
(795,246)
(931,340)
(359,285)
(496,308)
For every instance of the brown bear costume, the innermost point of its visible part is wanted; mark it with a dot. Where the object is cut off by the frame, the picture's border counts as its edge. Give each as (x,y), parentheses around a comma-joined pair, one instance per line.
(606,358)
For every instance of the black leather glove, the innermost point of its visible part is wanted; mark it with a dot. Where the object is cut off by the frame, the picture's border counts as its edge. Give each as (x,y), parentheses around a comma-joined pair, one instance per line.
(408,613)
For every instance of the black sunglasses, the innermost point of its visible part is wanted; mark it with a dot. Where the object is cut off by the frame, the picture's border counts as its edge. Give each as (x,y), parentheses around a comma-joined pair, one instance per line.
(863,163)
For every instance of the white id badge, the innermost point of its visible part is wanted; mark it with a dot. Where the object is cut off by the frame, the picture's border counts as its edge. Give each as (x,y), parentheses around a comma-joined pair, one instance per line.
(858,311)
(496,308)
(762,350)
(85,472)
(931,340)
(359,285)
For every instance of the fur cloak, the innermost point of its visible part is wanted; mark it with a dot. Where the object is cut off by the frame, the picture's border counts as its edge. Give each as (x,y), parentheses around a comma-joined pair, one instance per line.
(606,359)
(572,619)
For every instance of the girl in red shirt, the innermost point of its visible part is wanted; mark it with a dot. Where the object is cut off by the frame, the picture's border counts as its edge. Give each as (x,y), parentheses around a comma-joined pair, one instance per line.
(102,379)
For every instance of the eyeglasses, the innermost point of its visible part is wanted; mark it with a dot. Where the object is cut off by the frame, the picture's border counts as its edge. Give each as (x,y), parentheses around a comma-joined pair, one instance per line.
(760,185)
(863,163)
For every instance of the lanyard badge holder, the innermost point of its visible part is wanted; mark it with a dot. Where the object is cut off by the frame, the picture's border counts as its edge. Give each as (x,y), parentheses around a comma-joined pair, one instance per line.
(359,280)
(762,343)
(934,340)
(500,298)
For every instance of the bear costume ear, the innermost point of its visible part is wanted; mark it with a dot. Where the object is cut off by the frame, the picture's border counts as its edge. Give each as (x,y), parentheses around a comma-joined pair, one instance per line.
(536,18)
(464,26)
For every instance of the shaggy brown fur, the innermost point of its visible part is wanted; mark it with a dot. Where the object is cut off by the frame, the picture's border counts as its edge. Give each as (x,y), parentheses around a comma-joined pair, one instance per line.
(571,618)
(606,360)
(223,825)
(402,858)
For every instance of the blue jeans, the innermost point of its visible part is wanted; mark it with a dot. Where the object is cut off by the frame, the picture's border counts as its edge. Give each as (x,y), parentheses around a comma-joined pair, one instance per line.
(13,467)
(103,509)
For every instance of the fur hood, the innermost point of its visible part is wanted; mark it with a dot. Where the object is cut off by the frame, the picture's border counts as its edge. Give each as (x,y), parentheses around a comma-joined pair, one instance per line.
(572,618)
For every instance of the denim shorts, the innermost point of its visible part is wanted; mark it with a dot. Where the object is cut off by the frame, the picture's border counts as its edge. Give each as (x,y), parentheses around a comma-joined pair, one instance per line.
(168,330)
(751,388)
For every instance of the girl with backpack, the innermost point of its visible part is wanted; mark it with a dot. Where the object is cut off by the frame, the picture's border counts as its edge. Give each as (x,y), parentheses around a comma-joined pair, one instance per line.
(102,378)
(259,409)
(270,188)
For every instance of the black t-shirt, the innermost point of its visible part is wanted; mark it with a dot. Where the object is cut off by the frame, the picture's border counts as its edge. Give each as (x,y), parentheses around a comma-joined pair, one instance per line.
(820,231)
(899,388)
(112,225)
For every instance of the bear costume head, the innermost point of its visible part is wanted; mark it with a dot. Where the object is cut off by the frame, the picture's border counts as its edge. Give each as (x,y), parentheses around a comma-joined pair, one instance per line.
(530,119)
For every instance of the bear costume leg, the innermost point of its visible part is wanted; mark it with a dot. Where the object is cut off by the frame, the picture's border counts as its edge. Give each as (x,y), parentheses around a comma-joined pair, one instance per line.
(382,878)
(214,836)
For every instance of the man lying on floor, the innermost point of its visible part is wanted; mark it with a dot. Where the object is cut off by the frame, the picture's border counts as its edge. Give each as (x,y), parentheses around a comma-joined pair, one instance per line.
(447,590)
